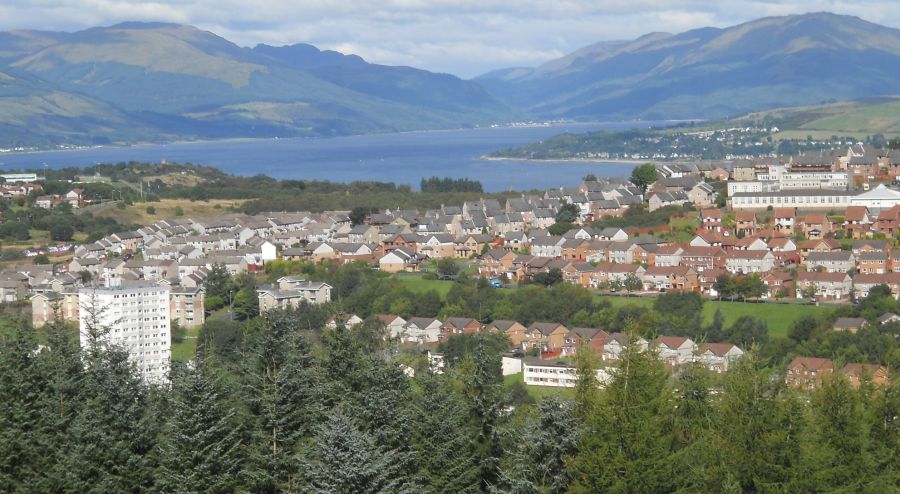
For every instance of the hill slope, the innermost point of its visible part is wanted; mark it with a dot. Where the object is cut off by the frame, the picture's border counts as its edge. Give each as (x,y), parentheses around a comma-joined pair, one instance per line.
(191,83)
(711,72)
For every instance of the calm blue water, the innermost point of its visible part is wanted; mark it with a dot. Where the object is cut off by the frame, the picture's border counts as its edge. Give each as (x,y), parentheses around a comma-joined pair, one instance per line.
(403,158)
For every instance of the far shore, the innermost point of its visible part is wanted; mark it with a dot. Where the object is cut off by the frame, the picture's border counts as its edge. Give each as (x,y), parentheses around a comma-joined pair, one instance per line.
(569,160)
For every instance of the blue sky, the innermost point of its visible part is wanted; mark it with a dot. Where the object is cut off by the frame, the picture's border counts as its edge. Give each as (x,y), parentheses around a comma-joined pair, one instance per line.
(462,37)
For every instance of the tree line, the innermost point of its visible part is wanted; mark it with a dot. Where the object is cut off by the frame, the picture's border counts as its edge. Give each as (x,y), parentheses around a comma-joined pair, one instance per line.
(295,409)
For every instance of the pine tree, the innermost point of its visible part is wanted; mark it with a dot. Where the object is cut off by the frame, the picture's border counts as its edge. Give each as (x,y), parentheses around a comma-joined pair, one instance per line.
(483,392)
(347,460)
(113,436)
(882,414)
(61,363)
(21,384)
(201,446)
(587,387)
(445,439)
(754,442)
(285,397)
(838,453)
(627,445)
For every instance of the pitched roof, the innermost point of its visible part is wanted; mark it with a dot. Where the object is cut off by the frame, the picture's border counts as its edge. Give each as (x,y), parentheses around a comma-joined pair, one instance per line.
(717,349)
(811,363)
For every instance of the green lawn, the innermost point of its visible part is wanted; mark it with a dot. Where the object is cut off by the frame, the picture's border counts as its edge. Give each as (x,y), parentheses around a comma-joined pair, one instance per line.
(187,349)
(541,392)
(778,316)
(414,282)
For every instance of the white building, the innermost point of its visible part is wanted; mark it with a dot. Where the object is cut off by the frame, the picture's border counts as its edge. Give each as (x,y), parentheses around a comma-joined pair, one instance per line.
(539,372)
(134,316)
(799,199)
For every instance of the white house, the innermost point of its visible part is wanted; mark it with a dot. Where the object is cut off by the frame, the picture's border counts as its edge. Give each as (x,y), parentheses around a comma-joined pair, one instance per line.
(675,350)
(717,357)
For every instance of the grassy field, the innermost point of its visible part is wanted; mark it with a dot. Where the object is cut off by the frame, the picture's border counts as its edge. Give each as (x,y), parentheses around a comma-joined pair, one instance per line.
(137,213)
(541,392)
(414,282)
(779,317)
(187,349)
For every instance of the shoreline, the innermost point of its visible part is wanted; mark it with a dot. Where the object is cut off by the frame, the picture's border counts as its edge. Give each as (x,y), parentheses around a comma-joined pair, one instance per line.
(181,141)
(570,160)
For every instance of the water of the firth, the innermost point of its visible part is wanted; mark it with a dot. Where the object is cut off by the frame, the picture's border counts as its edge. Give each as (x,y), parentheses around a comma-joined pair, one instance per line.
(403,158)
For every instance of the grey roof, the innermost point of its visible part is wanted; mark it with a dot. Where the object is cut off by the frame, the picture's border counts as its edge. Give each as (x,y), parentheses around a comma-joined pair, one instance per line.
(816,256)
(849,322)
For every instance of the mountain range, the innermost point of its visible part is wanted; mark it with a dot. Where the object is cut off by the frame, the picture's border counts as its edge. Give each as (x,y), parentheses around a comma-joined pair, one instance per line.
(136,82)
(711,72)
(148,81)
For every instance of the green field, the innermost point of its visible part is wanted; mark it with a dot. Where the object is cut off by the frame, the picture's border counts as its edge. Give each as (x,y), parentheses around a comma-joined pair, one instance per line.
(187,349)
(541,392)
(779,317)
(414,282)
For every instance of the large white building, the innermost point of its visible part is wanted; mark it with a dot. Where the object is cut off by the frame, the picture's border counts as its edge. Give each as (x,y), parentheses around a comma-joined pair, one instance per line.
(134,316)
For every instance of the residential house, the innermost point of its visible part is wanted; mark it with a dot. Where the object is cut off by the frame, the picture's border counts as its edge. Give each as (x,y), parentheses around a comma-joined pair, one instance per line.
(784,220)
(888,318)
(745,223)
(399,259)
(422,330)
(718,357)
(815,225)
(343,320)
(670,278)
(662,199)
(863,283)
(458,325)
(807,373)
(711,219)
(872,262)
(187,305)
(513,329)
(857,374)
(292,291)
(825,286)
(749,261)
(584,336)
(701,259)
(47,306)
(616,343)
(394,324)
(857,222)
(546,335)
(675,350)
(831,262)
(850,324)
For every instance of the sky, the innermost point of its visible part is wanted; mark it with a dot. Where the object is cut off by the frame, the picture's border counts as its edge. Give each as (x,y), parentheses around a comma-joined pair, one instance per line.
(461,37)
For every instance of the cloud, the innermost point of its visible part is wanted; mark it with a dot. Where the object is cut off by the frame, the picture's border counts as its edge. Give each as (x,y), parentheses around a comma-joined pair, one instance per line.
(464,37)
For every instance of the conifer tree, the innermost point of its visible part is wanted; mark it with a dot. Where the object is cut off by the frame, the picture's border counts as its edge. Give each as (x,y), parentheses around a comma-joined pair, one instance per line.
(201,446)
(587,387)
(837,453)
(755,441)
(627,444)
(347,460)
(113,436)
(483,391)
(445,439)
(285,398)
(21,382)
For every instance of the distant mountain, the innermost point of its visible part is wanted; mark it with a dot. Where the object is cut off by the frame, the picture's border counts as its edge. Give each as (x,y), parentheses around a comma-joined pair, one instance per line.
(711,72)
(165,80)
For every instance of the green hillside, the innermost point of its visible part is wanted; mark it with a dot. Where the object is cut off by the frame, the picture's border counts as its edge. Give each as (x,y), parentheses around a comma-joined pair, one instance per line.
(712,73)
(148,81)
(864,117)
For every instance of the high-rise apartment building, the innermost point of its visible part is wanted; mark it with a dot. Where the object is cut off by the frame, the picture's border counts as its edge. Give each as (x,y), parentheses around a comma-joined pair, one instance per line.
(134,315)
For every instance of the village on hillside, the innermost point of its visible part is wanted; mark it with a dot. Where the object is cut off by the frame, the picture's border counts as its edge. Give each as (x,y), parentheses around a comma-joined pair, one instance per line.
(815,228)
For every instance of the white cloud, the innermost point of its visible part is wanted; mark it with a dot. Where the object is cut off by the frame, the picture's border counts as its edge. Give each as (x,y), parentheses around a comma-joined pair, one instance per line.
(465,37)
